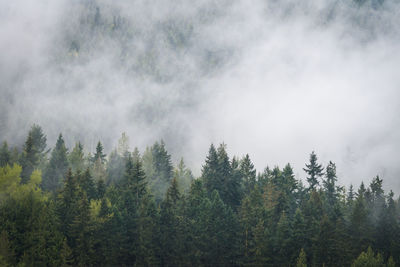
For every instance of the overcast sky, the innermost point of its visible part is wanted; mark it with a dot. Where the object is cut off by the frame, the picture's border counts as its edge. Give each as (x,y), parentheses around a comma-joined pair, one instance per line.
(275,79)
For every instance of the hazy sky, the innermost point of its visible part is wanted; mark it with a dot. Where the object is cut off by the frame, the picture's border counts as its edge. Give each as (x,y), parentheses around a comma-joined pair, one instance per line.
(275,79)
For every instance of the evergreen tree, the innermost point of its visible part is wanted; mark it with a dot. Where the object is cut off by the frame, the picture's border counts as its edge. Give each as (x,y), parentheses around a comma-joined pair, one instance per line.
(302,259)
(330,185)
(283,241)
(170,227)
(81,233)
(86,183)
(368,259)
(314,171)
(162,170)
(183,176)
(76,158)
(248,174)
(29,158)
(210,171)
(99,154)
(101,189)
(57,167)
(123,146)
(115,167)
(66,203)
(5,155)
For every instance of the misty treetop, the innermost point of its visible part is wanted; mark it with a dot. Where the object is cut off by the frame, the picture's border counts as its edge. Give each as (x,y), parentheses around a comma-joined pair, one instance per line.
(133,209)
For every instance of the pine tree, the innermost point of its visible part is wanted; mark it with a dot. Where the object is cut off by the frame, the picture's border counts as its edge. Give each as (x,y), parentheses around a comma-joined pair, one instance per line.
(57,167)
(314,171)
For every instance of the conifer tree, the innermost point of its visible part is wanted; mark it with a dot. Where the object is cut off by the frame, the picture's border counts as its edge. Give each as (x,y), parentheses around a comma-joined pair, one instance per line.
(314,171)
(170,227)
(5,155)
(57,167)
(86,183)
(29,158)
(302,259)
(123,146)
(368,259)
(99,155)
(66,203)
(248,174)
(115,167)
(210,171)
(183,176)
(329,185)
(76,158)
(81,230)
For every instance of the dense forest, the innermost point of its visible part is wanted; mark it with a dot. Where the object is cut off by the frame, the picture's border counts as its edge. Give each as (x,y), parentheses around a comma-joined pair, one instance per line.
(63,207)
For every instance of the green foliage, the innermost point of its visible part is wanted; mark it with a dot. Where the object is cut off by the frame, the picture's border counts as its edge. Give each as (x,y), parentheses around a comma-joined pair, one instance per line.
(228,217)
(368,259)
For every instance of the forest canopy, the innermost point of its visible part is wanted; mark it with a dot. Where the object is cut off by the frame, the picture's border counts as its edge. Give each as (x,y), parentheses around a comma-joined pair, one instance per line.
(63,206)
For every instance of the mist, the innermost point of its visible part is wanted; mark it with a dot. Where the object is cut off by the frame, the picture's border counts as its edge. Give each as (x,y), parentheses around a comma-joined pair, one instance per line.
(274,79)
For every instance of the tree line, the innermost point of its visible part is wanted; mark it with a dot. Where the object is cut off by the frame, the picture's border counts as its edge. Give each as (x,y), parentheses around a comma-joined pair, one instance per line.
(61,208)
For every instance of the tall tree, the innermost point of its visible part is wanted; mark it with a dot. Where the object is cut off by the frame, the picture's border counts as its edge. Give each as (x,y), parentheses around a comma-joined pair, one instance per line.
(248,173)
(99,155)
(57,167)
(76,158)
(183,176)
(330,185)
(314,171)
(172,246)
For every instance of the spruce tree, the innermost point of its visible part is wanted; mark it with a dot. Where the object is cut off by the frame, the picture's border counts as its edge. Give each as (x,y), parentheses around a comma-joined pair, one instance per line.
(57,167)
(172,246)
(248,173)
(314,171)
(99,155)
(209,172)
(29,158)
(330,185)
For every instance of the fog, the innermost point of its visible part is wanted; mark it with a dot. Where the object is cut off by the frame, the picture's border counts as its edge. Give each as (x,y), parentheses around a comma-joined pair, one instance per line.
(275,79)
